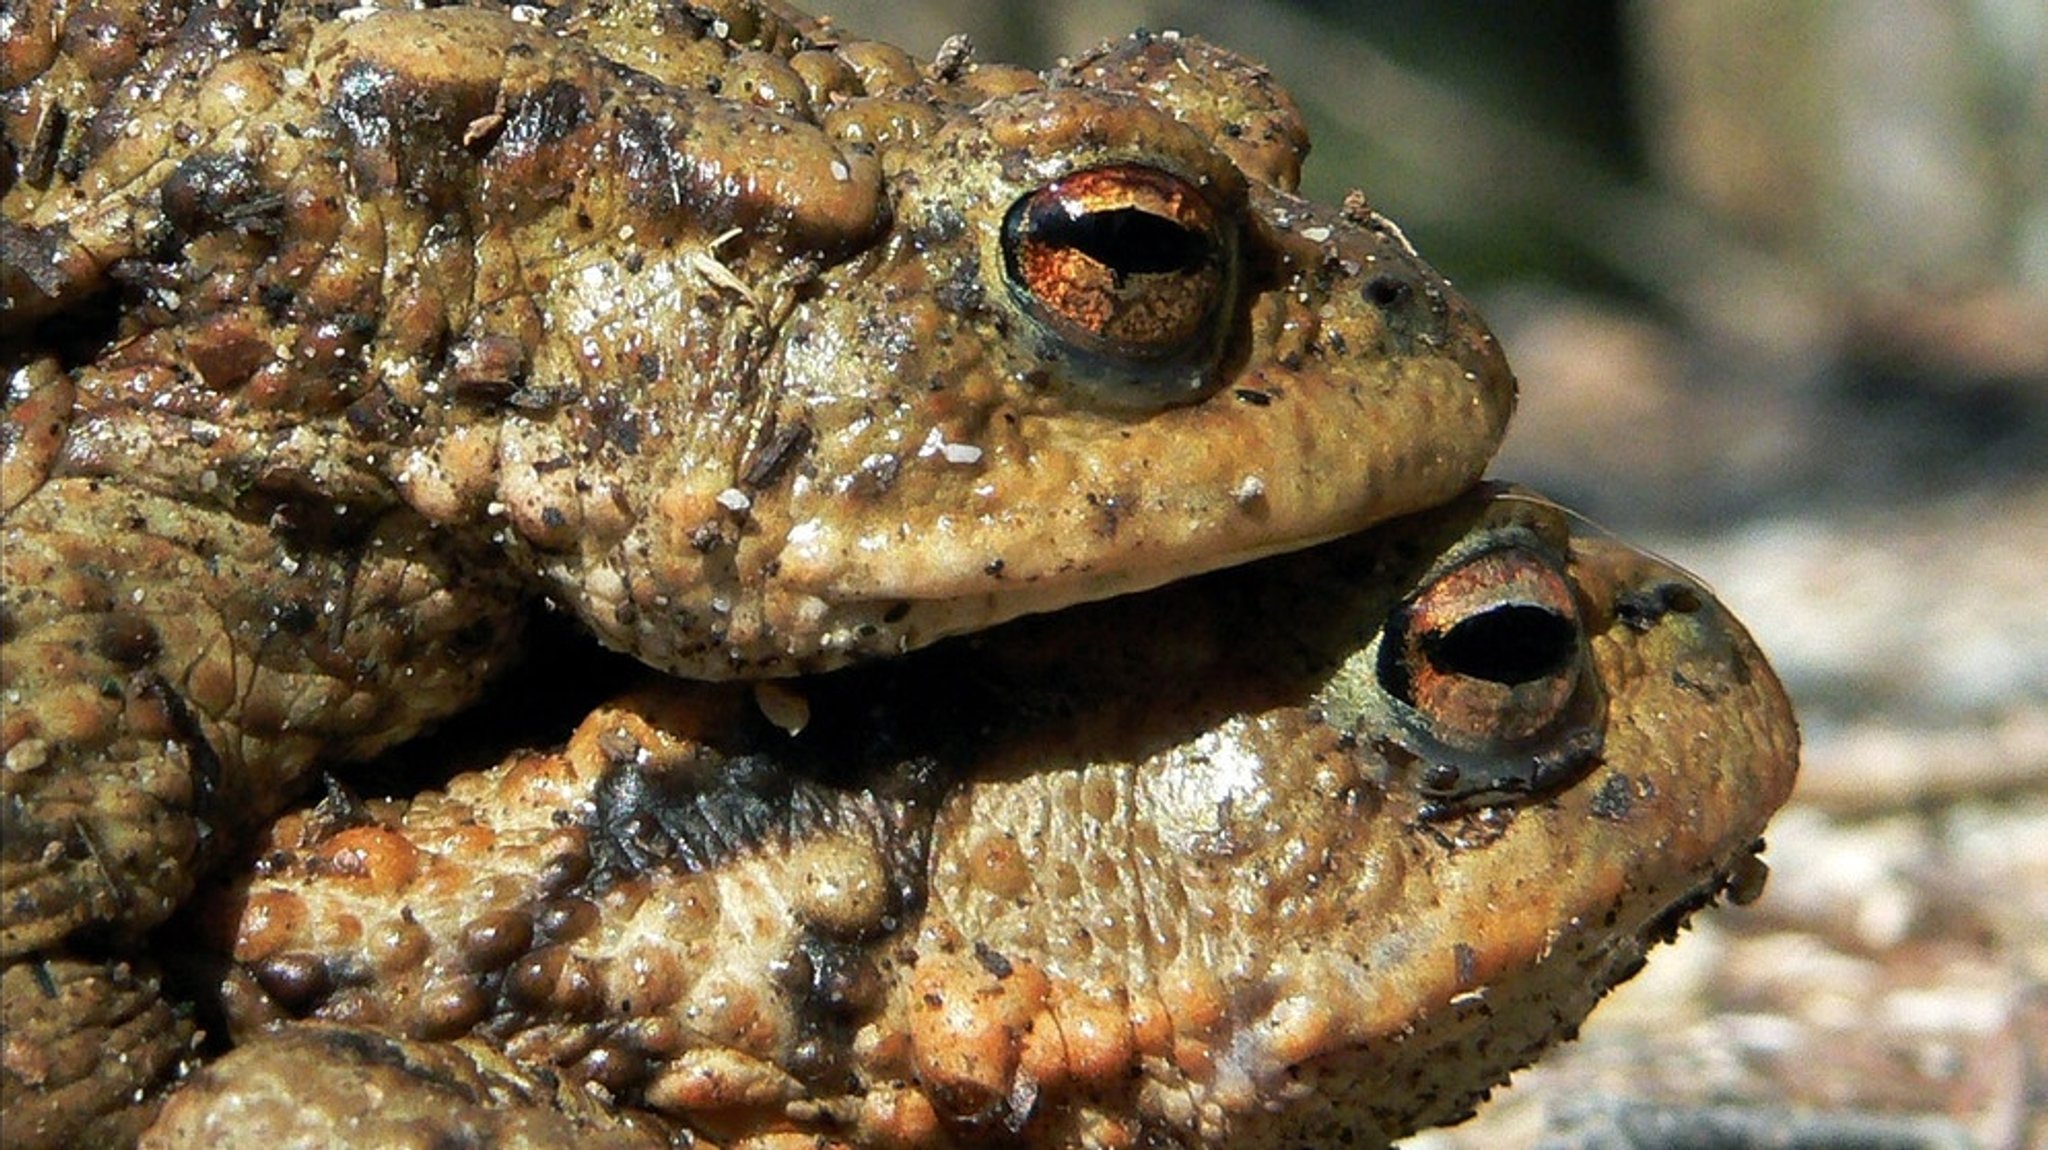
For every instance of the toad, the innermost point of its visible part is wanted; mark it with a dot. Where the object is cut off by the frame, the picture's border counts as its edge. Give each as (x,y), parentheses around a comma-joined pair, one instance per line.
(337,340)
(1312,852)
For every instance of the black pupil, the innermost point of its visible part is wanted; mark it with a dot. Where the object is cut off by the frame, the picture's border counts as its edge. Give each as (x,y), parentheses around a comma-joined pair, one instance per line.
(1512,643)
(1130,241)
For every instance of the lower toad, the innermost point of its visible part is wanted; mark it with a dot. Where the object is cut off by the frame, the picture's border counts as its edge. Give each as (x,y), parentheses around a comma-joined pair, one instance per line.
(1312,852)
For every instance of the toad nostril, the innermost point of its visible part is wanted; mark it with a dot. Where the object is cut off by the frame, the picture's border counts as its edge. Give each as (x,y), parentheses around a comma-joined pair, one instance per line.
(1386,291)
(1509,644)
(1643,608)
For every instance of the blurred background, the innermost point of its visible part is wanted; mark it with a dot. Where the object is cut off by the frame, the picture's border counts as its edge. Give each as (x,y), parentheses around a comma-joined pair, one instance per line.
(1774,277)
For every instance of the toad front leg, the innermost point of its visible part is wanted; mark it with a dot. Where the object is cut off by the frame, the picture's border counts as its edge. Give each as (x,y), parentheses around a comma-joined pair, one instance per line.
(171,672)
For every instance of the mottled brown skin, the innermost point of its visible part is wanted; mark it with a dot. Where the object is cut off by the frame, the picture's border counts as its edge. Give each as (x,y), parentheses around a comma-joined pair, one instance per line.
(335,342)
(82,1042)
(334,1086)
(1186,869)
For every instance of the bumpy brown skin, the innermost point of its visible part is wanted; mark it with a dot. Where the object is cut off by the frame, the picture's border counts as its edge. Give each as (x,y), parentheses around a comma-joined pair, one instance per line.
(84,1048)
(330,1086)
(1183,870)
(334,341)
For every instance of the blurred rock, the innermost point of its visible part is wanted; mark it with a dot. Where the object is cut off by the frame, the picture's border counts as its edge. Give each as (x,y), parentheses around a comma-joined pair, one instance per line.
(1902,145)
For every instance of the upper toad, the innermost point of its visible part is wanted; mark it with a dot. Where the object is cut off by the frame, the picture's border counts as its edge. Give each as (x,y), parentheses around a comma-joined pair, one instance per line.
(334,340)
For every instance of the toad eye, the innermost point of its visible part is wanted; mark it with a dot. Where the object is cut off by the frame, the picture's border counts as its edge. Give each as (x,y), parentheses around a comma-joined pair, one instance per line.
(1125,261)
(1490,655)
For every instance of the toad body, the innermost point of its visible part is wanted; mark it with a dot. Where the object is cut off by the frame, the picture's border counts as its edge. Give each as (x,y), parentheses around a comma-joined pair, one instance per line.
(1310,852)
(335,340)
